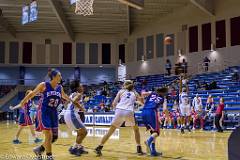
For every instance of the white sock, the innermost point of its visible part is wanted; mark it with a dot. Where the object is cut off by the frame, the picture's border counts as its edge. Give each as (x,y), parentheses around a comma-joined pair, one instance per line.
(76,145)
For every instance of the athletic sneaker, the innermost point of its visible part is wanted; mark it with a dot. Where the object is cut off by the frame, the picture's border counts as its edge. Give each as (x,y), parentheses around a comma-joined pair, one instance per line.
(139,151)
(74,151)
(188,128)
(82,150)
(154,153)
(37,140)
(182,130)
(16,141)
(98,151)
(38,151)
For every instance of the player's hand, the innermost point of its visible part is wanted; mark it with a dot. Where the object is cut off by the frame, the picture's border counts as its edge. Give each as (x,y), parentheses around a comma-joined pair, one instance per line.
(15,107)
(11,107)
(160,120)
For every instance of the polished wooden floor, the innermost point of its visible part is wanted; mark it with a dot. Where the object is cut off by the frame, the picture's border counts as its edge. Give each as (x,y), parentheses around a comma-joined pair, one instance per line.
(197,145)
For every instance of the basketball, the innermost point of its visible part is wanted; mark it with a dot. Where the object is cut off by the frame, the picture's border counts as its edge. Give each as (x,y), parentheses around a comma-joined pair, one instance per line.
(167,40)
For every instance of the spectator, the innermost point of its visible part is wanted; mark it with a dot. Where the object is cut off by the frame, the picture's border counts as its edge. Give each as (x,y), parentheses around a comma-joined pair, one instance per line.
(104,92)
(90,110)
(168,67)
(173,93)
(206,62)
(105,83)
(210,103)
(144,83)
(184,66)
(102,107)
(209,110)
(219,115)
(205,86)
(235,76)
(197,85)
(213,85)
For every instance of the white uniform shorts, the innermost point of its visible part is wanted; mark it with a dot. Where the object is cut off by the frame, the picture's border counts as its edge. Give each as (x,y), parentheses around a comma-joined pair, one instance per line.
(123,116)
(185,110)
(73,120)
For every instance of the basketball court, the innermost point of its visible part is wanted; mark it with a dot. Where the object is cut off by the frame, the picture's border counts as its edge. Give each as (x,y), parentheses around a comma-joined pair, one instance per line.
(197,145)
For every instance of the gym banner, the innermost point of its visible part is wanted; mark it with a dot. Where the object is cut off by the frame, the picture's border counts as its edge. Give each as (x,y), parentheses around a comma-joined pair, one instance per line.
(99,119)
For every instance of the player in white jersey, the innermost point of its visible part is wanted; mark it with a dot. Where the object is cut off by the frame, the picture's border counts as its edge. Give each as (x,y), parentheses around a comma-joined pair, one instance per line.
(198,113)
(124,104)
(73,119)
(185,107)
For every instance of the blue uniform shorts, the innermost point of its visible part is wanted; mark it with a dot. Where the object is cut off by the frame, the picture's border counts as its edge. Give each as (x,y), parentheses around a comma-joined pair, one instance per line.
(150,120)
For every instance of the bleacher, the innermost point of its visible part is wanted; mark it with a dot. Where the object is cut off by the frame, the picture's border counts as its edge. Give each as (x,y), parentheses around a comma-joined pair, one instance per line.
(5,89)
(228,89)
(158,80)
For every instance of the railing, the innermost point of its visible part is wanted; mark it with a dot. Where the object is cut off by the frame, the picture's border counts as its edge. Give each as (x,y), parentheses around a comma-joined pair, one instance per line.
(13,93)
(8,96)
(33,82)
(212,67)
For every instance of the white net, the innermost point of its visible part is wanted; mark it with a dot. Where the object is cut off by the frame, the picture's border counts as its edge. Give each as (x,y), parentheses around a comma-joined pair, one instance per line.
(84,7)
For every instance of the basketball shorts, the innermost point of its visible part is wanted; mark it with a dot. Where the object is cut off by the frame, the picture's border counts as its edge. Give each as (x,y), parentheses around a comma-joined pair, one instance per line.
(121,116)
(24,120)
(198,114)
(151,120)
(185,110)
(47,119)
(73,120)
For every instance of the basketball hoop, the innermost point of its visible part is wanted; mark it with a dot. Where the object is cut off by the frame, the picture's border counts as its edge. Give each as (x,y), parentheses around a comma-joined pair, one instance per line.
(84,7)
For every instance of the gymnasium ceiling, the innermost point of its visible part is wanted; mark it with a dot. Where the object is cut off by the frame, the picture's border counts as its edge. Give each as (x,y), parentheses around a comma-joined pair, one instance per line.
(110,16)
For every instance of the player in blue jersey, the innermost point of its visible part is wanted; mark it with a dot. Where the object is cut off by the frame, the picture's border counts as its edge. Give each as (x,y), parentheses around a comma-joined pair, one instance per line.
(150,115)
(24,121)
(47,115)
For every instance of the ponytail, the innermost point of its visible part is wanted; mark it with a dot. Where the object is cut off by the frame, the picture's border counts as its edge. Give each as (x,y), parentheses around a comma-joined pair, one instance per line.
(128,84)
(52,72)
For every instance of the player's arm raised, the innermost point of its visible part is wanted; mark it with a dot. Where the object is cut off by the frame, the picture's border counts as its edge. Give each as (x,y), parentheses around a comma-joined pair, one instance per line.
(140,100)
(145,94)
